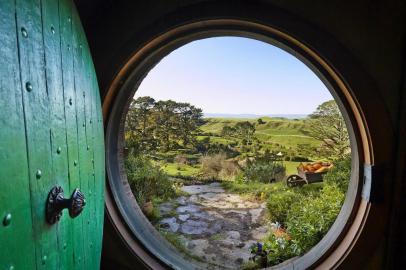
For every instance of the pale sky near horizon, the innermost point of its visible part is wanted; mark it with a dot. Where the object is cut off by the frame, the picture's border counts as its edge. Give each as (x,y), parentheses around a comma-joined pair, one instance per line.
(233,75)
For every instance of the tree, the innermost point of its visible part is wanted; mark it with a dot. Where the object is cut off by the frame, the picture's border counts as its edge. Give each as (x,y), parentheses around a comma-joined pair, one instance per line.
(228,131)
(245,130)
(138,128)
(191,118)
(260,121)
(327,125)
(164,125)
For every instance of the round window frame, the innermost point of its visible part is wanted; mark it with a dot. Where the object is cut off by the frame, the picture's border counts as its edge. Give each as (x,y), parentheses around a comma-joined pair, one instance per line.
(341,237)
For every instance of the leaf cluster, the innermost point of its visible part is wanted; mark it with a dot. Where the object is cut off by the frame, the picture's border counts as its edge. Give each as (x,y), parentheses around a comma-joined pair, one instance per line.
(327,125)
(161,125)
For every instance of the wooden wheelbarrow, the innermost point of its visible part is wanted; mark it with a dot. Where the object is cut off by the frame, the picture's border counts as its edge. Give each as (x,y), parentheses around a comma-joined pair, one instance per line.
(306,177)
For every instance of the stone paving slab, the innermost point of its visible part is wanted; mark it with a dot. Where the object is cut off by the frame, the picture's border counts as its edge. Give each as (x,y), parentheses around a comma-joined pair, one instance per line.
(216,226)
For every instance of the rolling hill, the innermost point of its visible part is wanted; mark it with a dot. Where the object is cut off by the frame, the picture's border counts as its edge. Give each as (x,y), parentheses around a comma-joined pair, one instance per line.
(286,132)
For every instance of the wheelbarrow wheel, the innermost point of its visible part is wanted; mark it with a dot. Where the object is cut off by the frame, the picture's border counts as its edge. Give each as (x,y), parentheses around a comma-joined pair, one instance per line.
(294,180)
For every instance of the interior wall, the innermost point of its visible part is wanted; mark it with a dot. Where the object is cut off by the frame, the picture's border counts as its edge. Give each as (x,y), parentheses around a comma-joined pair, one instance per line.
(372,32)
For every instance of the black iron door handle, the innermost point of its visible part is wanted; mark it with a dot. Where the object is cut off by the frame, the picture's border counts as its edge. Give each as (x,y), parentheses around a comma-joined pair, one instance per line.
(56,203)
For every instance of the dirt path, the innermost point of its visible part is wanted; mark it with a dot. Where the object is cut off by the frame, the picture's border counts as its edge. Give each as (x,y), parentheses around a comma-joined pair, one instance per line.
(216,226)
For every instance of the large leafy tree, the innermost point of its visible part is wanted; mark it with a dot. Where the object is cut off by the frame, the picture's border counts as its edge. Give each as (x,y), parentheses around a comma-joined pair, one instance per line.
(327,125)
(190,119)
(138,129)
(163,125)
(245,130)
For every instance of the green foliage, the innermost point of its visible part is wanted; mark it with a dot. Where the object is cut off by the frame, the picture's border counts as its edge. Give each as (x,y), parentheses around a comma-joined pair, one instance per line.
(279,203)
(260,121)
(164,125)
(264,168)
(264,172)
(327,125)
(299,159)
(305,213)
(228,131)
(220,148)
(309,220)
(245,130)
(147,180)
(340,174)
(280,248)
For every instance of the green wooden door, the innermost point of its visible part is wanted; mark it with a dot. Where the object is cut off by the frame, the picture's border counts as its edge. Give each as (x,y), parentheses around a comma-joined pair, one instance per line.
(51,134)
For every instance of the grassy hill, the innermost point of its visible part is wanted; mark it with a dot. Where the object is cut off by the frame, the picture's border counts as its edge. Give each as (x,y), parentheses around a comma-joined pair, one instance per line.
(286,132)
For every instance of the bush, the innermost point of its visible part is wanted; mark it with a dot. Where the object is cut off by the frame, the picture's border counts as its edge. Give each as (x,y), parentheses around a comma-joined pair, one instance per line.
(260,121)
(229,170)
(211,165)
(181,159)
(219,148)
(265,172)
(280,248)
(305,214)
(309,219)
(147,180)
(299,159)
(280,202)
(216,166)
(340,174)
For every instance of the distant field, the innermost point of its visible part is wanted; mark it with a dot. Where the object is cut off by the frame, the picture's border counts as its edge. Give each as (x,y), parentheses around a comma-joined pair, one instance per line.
(287,132)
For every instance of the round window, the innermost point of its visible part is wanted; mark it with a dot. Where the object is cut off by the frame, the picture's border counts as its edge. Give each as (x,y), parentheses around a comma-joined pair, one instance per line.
(231,149)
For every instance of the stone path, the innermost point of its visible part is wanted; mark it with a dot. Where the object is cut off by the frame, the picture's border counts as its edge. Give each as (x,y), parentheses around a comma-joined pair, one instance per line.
(216,226)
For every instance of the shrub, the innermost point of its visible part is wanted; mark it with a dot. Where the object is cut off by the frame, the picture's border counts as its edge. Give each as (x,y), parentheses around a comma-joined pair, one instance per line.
(181,159)
(309,219)
(229,169)
(299,159)
(265,172)
(216,166)
(147,180)
(340,174)
(306,214)
(280,248)
(219,148)
(280,202)
(260,121)
(211,165)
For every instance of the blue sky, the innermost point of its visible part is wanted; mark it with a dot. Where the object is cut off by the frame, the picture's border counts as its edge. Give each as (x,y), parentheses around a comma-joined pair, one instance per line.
(232,75)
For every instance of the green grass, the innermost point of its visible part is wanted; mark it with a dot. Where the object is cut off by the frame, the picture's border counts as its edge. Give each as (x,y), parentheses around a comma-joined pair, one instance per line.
(182,169)
(286,132)
(262,191)
(291,167)
(289,141)
(257,190)
(215,139)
